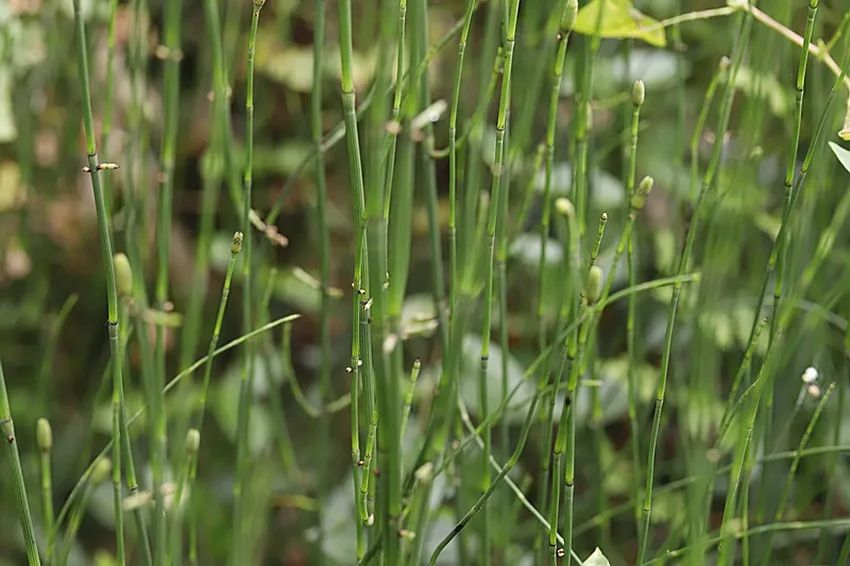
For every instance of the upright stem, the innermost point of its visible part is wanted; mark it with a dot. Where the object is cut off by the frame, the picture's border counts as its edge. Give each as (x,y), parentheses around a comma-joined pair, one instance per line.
(44,438)
(323,231)
(565,438)
(568,15)
(112,321)
(7,426)
(173,10)
(493,215)
(355,165)
(683,267)
(247,380)
(584,124)
(453,112)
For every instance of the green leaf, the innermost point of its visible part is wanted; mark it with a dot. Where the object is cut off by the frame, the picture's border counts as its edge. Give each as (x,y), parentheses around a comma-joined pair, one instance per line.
(596,559)
(620,20)
(842,154)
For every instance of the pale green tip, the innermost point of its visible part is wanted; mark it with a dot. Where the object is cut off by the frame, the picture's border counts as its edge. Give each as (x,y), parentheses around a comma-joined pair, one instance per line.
(193,441)
(236,243)
(594,284)
(44,435)
(638,92)
(101,470)
(564,207)
(123,275)
(642,193)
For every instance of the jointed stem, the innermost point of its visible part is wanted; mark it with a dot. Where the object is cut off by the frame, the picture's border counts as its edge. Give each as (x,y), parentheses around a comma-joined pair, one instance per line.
(683,267)
(7,427)
(112,321)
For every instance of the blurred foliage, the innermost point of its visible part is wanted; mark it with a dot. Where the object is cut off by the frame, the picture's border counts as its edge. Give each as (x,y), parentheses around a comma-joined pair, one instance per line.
(49,251)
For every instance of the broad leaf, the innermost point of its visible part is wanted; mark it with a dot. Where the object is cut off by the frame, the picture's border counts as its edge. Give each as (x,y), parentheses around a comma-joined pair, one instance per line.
(842,154)
(620,20)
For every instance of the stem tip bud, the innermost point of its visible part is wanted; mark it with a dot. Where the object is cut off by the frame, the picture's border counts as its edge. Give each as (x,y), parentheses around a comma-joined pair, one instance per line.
(638,92)
(123,275)
(44,435)
(642,193)
(236,243)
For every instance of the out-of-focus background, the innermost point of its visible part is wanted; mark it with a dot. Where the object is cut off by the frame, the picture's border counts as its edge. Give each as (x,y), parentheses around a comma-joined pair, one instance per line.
(53,294)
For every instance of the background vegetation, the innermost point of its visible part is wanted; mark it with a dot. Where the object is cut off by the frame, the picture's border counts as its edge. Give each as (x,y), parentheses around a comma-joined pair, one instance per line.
(404,257)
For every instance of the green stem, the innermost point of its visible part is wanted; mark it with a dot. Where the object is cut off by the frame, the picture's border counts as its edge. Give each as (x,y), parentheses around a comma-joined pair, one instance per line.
(683,267)
(7,426)
(112,321)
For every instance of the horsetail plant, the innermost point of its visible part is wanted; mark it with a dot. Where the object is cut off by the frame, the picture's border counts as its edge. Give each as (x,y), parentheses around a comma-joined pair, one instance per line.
(638,98)
(776,261)
(7,425)
(352,142)
(93,168)
(200,408)
(247,378)
(44,439)
(408,397)
(565,436)
(569,10)
(777,254)
(171,88)
(125,283)
(236,245)
(682,268)
(212,171)
(496,190)
(453,164)
(321,212)
(584,122)
(192,444)
(779,514)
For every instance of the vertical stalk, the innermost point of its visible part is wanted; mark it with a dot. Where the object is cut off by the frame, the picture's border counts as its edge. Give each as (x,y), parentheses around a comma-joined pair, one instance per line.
(355,165)
(453,165)
(112,321)
(683,266)
(569,10)
(7,426)
(568,15)
(247,379)
(777,256)
(236,245)
(584,124)
(192,444)
(323,230)
(638,96)
(212,169)
(171,87)
(44,438)
(492,218)
(200,409)
(565,438)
